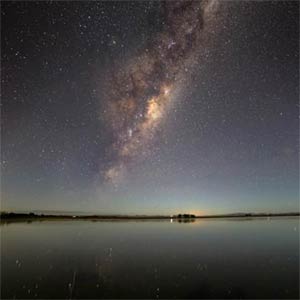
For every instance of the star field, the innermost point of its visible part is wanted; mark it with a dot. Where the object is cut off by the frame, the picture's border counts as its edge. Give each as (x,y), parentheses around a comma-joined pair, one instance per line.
(150,107)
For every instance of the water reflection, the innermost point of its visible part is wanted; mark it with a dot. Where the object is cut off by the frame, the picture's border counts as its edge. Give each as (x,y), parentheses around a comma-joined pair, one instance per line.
(185,220)
(255,258)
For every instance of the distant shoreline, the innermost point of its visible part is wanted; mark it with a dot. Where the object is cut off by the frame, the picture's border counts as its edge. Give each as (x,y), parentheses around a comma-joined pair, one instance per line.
(182,217)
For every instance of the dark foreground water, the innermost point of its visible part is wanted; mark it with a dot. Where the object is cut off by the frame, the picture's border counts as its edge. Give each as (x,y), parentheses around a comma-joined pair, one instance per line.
(246,258)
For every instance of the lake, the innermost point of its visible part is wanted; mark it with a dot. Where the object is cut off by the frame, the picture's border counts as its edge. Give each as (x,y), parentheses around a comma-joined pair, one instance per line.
(211,258)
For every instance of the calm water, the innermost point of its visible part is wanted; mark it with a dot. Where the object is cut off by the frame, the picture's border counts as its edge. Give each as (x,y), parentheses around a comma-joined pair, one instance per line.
(254,258)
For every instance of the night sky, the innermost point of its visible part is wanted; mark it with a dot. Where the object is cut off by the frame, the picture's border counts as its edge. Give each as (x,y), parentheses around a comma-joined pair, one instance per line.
(150,107)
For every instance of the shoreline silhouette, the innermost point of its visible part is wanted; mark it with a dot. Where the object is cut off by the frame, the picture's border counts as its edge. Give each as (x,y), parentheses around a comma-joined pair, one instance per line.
(11,216)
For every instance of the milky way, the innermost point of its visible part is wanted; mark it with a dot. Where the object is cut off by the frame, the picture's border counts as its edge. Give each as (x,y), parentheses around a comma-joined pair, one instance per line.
(150,107)
(141,93)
